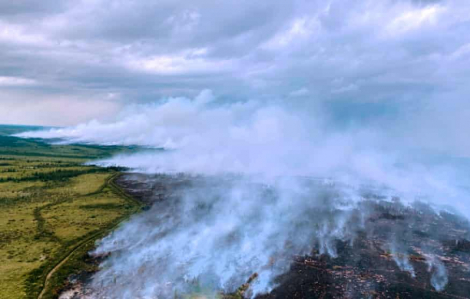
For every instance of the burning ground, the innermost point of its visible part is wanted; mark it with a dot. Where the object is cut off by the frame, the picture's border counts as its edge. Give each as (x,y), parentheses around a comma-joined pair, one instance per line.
(235,237)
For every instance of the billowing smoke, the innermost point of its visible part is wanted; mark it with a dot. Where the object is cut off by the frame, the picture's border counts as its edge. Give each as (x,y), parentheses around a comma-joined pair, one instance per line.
(206,136)
(270,181)
(219,231)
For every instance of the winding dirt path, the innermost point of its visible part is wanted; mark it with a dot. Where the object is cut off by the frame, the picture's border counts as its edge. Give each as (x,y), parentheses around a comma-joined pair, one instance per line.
(63,261)
(118,191)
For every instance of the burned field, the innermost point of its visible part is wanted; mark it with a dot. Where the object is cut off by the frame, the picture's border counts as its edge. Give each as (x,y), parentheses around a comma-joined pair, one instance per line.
(390,250)
(364,269)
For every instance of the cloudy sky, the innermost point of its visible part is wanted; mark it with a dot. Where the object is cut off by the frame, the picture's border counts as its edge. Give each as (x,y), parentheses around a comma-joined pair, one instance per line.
(65,62)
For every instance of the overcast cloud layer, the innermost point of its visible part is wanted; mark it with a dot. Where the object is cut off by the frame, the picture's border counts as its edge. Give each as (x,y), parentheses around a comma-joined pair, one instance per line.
(64,62)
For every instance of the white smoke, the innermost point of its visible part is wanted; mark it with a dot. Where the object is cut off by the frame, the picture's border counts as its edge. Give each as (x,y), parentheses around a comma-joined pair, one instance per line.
(228,230)
(438,271)
(162,125)
(401,258)
(204,136)
(220,232)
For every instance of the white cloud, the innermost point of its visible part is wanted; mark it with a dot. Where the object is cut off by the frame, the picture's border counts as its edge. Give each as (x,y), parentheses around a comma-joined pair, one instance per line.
(188,62)
(187,20)
(299,29)
(414,18)
(21,35)
(299,92)
(16,81)
(347,88)
(461,52)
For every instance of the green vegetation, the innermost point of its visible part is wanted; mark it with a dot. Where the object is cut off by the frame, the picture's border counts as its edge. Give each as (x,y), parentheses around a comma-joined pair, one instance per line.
(52,210)
(15,129)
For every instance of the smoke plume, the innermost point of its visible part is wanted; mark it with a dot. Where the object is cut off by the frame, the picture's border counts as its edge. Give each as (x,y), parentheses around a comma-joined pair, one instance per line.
(269,181)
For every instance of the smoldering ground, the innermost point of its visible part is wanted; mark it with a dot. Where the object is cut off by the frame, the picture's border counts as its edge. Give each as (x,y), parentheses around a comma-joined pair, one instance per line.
(219,232)
(207,236)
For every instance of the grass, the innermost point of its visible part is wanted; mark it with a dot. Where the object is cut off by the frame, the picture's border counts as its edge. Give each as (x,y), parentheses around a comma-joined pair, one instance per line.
(52,210)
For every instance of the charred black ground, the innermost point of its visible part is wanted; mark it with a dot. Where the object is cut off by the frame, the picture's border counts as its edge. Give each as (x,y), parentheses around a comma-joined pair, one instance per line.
(365,267)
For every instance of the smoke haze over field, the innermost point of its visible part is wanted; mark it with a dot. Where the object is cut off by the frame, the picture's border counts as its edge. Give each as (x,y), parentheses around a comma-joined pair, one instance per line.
(270,139)
(254,202)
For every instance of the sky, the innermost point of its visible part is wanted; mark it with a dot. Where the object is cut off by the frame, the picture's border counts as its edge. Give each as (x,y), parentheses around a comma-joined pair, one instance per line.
(68,62)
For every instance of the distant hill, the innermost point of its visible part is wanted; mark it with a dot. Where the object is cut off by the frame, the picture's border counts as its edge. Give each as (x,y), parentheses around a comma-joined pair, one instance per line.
(15,129)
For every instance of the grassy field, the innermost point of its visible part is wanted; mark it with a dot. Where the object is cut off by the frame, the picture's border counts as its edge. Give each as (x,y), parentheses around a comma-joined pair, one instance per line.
(52,210)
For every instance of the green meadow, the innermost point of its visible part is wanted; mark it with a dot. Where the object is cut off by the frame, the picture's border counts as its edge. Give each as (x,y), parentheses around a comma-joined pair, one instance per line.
(53,208)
